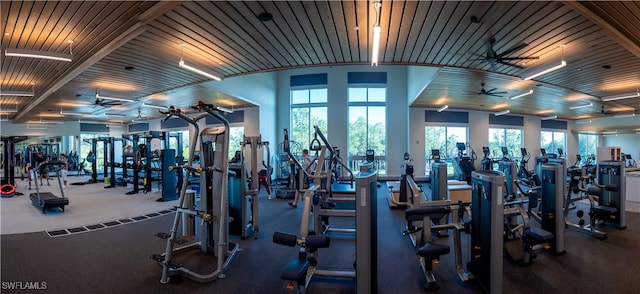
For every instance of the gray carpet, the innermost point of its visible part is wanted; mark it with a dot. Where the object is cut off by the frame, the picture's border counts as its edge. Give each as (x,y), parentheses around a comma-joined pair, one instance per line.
(116,260)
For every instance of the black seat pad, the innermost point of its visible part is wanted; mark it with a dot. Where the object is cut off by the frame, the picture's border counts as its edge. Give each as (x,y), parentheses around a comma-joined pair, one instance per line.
(606,209)
(539,234)
(415,214)
(433,250)
(296,269)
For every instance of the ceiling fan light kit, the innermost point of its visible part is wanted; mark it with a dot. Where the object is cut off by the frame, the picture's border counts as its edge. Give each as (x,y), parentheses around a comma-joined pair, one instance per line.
(549,117)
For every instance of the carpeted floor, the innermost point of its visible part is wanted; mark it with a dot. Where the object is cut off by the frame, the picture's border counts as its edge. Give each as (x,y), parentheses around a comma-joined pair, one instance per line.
(116,260)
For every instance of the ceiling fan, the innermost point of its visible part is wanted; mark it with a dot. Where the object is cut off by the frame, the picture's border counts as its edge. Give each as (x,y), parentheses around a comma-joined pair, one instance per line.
(107,103)
(490,92)
(495,58)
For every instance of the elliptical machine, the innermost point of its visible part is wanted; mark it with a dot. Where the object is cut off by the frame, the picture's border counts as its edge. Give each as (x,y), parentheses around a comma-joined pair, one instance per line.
(463,163)
(487,162)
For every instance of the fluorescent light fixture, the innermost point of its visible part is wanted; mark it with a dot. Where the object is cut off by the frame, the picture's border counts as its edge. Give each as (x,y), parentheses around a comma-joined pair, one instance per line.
(224,109)
(624,115)
(584,122)
(36,128)
(549,117)
(114,126)
(114,98)
(8,110)
(581,106)
(375,49)
(17,93)
(522,95)
(610,133)
(76,113)
(53,122)
(38,54)
(621,96)
(502,112)
(543,70)
(155,106)
(441,109)
(115,114)
(210,75)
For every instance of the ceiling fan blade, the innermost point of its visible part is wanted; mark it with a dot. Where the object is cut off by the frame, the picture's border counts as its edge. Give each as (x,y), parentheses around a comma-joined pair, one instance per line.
(494,94)
(510,64)
(518,58)
(512,49)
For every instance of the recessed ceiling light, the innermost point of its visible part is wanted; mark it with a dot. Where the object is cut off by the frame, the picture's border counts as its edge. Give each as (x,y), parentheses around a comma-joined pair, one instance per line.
(129,67)
(606,66)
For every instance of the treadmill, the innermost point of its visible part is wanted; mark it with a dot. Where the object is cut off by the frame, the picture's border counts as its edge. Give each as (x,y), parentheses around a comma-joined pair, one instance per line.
(46,200)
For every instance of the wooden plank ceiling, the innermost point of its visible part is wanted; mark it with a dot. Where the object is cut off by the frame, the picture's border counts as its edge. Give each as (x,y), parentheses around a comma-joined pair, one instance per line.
(130,49)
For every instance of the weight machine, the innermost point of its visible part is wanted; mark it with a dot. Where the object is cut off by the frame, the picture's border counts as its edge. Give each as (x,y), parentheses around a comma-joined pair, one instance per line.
(211,212)
(302,270)
(243,200)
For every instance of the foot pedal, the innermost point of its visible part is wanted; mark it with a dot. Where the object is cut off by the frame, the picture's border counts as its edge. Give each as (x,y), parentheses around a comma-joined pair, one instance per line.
(179,241)
(157,257)
(163,235)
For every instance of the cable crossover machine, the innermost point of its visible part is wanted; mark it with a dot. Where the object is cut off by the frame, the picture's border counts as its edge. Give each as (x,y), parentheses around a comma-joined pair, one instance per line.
(210,213)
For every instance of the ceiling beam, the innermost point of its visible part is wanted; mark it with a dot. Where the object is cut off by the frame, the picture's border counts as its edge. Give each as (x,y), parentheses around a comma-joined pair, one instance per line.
(133,31)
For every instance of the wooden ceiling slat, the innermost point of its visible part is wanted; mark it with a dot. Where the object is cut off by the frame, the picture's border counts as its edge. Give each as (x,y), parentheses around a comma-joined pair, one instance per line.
(246,19)
(231,44)
(425,32)
(283,20)
(453,33)
(350,17)
(438,32)
(272,33)
(342,32)
(222,13)
(364,30)
(313,27)
(391,27)
(330,32)
(415,12)
(172,31)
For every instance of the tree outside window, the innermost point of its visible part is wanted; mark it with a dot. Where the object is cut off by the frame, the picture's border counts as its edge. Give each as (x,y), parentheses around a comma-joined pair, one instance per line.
(444,139)
(553,141)
(503,137)
(367,125)
(308,109)
(587,146)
